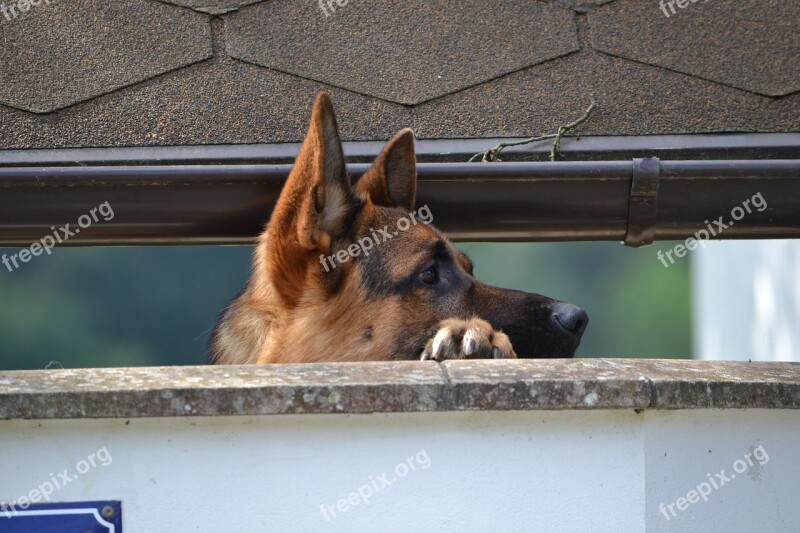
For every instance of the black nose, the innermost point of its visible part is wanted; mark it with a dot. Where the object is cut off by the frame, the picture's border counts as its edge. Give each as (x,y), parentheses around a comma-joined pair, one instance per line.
(570,318)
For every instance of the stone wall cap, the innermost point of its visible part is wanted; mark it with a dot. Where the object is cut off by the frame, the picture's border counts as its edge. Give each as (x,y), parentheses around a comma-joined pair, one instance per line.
(410,386)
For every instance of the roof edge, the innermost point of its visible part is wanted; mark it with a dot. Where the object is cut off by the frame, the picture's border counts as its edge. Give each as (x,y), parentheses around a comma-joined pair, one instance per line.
(586,148)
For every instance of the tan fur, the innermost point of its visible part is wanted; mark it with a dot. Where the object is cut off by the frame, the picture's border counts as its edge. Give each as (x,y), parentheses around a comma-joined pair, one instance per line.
(283,315)
(376,307)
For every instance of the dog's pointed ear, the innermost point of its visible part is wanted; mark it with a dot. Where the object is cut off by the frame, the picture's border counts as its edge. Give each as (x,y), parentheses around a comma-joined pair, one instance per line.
(317,198)
(392,180)
(315,207)
(322,165)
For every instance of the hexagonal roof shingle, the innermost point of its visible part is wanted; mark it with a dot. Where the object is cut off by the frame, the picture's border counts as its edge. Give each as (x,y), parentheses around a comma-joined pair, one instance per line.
(214,7)
(97,73)
(753,46)
(633,99)
(404,51)
(582,5)
(106,46)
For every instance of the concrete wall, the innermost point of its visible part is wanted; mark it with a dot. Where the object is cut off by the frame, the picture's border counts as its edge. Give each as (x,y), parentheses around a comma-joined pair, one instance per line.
(573,470)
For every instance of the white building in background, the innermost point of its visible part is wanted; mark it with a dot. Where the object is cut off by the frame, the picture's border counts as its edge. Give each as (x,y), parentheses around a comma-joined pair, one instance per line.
(747,300)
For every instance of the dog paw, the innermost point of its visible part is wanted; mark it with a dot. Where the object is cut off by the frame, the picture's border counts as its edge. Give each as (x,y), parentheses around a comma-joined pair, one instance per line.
(467,339)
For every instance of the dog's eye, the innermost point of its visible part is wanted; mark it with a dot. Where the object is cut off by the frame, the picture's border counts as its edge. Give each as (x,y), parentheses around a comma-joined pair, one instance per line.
(429,275)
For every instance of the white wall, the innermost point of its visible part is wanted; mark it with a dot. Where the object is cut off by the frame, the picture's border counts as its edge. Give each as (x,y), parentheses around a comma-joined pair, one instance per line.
(747,300)
(481,471)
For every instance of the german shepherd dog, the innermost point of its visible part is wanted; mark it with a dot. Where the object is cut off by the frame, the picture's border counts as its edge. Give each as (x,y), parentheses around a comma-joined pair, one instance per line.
(313,296)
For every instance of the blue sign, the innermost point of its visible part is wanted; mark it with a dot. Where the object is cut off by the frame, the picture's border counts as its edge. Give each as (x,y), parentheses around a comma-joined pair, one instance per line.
(77,517)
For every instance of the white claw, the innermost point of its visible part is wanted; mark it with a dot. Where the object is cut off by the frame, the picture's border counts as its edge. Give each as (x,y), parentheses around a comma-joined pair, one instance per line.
(469,342)
(440,337)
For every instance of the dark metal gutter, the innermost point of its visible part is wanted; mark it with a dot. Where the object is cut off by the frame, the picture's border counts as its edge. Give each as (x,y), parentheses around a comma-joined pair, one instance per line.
(541,201)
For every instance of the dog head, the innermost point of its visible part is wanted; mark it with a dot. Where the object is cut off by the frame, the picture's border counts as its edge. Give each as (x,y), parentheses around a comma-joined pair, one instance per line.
(354,261)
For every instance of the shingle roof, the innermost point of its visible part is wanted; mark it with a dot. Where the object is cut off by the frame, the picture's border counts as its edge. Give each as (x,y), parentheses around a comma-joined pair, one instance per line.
(404,52)
(145,72)
(755,47)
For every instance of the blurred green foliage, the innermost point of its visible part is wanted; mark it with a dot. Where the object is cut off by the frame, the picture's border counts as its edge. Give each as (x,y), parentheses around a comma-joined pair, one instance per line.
(95,307)
(636,307)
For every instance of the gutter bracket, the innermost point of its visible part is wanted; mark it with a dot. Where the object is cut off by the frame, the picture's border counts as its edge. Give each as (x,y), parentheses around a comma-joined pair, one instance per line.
(643,202)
